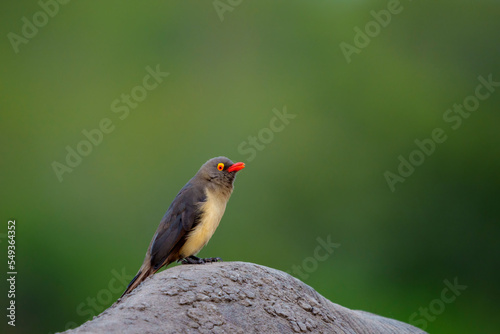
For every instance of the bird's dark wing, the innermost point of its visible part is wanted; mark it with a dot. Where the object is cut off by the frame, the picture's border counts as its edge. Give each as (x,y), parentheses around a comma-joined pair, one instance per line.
(180,218)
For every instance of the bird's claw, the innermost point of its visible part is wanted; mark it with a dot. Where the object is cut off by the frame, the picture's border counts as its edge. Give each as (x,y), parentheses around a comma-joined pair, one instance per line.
(196,260)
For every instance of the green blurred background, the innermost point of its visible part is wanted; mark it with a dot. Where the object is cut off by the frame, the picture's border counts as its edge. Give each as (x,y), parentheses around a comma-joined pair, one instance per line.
(322,175)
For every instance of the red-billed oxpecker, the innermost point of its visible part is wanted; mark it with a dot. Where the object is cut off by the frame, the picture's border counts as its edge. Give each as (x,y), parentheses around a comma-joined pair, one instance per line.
(191,219)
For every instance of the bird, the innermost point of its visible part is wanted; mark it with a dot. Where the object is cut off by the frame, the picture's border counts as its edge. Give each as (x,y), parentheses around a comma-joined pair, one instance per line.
(191,219)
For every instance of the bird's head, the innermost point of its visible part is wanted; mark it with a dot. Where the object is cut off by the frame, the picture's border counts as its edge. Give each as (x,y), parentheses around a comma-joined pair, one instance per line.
(220,172)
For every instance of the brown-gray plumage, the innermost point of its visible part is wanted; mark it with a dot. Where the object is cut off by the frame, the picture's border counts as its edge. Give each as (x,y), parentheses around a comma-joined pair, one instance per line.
(191,219)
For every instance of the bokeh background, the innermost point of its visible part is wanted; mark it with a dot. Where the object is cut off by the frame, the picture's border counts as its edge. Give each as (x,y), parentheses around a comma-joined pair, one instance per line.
(322,175)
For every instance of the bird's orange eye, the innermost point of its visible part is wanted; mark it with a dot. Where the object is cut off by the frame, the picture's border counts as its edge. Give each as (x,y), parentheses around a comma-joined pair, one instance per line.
(220,166)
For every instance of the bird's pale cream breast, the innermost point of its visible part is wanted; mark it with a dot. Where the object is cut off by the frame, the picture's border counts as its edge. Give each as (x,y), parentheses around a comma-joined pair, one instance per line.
(213,210)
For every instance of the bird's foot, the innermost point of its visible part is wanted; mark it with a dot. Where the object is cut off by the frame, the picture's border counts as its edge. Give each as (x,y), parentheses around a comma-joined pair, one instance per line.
(196,260)
(192,260)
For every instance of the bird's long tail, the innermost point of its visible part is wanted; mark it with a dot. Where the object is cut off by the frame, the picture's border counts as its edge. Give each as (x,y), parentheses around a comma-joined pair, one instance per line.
(141,276)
